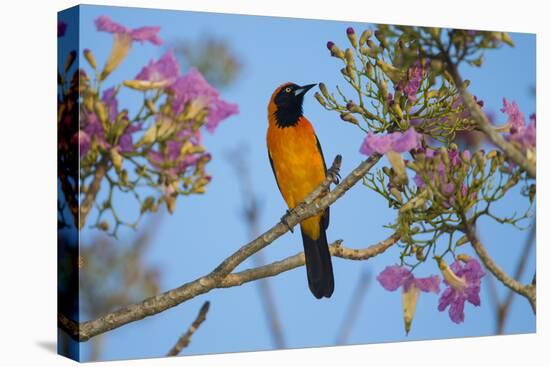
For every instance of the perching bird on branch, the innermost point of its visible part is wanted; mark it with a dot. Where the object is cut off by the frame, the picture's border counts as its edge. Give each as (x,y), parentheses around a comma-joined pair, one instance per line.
(299,167)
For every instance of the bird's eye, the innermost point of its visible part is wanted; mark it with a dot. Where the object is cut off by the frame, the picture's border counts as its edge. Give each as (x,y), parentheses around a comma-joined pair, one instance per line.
(288,89)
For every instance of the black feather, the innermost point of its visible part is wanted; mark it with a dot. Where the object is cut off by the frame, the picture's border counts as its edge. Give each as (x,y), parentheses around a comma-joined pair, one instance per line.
(318,265)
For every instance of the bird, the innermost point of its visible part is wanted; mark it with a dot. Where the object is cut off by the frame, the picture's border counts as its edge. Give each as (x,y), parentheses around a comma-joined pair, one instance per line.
(299,167)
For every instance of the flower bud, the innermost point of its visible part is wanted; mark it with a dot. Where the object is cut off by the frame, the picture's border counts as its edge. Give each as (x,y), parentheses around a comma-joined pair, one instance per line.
(344,72)
(352,37)
(463,257)
(143,85)
(335,51)
(396,108)
(462,240)
(89,56)
(324,90)
(101,111)
(166,126)
(70,60)
(122,43)
(365,36)
(380,37)
(350,71)
(348,117)
(320,99)
(349,57)
(416,202)
(478,62)
(147,204)
(370,70)
(352,107)
(506,39)
(391,71)
(450,277)
(396,194)
(398,165)
(116,158)
(410,298)
(118,128)
(371,44)
(148,137)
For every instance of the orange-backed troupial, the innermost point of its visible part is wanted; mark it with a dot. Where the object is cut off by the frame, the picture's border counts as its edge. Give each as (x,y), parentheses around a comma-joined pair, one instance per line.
(299,167)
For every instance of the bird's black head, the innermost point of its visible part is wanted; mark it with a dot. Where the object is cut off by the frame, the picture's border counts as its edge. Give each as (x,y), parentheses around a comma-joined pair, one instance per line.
(288,100)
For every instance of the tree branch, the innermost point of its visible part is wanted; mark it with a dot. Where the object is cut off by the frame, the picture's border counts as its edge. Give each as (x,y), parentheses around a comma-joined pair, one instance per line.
(485,125)
(204,284)
(528,291)
(185,339)
(292,262)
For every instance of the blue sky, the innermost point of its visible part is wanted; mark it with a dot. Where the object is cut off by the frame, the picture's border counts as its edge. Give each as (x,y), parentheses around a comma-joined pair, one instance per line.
(206,229)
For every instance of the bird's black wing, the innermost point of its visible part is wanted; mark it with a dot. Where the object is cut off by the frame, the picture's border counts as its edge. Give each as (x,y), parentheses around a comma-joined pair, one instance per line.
(326,216)
(273,169)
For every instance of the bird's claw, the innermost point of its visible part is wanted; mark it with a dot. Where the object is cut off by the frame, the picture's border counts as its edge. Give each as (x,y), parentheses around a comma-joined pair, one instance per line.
(285,221)
(334,174)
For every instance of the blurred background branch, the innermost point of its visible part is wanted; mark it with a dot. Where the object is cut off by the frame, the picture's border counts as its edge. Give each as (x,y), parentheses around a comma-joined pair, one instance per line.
(185,339)
(354,308)
(251,215)
(112,276)
(502,308)
(212,56)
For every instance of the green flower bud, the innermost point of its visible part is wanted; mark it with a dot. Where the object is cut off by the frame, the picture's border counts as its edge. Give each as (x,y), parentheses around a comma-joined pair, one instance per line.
(364,37)
(380,37)
(324,90)
(320,99)
(352,37)
(462,240)
(89,56)
(116,158)
(348,117)
(349,57)
(396,194)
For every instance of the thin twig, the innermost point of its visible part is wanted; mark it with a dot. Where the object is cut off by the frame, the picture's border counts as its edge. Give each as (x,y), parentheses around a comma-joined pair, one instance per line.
(185,339)
(154,305)
(528,291)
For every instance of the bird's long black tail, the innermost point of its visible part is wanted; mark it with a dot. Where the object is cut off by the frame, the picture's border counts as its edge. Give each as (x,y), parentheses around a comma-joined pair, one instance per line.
(318,265)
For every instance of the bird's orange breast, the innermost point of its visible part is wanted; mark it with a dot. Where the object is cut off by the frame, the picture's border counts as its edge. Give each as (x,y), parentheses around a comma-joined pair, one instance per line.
(297,161)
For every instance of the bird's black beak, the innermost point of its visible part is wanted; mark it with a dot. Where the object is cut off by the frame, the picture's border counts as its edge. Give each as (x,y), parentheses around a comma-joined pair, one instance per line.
(302,90)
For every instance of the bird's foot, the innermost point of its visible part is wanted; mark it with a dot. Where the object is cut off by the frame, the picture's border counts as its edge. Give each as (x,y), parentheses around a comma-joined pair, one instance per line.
(284,220)
(334,174)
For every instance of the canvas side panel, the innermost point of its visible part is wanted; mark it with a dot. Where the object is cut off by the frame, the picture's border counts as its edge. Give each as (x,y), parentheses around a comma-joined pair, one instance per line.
(67,179)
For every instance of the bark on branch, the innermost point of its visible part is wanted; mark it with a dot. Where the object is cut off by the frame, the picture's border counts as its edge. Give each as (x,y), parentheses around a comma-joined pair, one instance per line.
(292,262)
(526,290)
(315,203)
